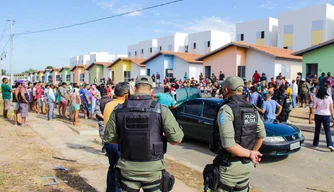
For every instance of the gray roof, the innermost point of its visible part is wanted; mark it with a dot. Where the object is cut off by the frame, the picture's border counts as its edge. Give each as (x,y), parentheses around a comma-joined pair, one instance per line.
(314,47)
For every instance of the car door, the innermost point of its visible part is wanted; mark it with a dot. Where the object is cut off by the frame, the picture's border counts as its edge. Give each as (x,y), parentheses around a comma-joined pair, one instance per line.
(207,120)
(189,120)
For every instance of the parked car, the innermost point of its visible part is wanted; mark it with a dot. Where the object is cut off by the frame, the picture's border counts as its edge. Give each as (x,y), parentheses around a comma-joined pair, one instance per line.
(196,116)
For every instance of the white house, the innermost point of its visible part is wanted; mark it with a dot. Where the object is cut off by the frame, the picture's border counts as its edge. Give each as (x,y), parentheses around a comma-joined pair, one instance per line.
(174,64)
(302,28)
(175,42)
(143,49)
(260,32)
(92,57)
(241,59)
(206,41)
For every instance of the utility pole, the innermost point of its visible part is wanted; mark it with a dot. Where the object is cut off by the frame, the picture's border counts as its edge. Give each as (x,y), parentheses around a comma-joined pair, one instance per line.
(2,56)
(11,51)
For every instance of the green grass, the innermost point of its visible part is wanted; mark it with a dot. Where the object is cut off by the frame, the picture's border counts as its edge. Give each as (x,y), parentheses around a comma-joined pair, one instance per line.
(3,177)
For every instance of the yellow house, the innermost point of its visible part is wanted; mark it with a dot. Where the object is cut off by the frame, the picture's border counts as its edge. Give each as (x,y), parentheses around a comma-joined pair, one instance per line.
(125,68)
(40,76)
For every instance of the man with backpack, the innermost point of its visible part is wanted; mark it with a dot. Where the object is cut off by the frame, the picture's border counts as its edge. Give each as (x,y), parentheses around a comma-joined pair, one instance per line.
(285,102)
(255,98)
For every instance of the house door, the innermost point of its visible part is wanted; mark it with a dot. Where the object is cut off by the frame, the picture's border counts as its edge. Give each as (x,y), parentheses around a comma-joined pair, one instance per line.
(113,76)
(169,74)
(312,68)
(207,71)
(148,72)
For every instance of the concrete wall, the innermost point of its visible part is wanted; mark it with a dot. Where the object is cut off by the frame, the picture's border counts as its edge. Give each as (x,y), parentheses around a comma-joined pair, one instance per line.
(87,78)
(261,62)
(301,20)
(65,72)
(322,56)
(119,69)
(96,71)
(195,70)
(225,61)
(160,64)
(136,70)
(146,45)
(175,42)
(250,29)
(293,66)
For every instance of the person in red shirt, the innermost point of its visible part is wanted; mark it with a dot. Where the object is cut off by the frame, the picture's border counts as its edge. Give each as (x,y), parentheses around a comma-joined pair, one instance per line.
(109,91)
(256,77)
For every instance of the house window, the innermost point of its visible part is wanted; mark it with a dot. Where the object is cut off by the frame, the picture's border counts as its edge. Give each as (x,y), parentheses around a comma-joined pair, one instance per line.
(170,47)
(194,46)
(57,77)
(241,37)
(129,54)
(127,76)
(151,50)
(82,77)
(242,72)
(186,49)
(135,53)
(285,47)
(160,48)
(209,44)
(148,72)
(68,77)
(142,51)
(262,34)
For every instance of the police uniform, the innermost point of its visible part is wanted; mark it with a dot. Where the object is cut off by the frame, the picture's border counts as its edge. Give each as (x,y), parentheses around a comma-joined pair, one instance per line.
(238,123)
(139,126)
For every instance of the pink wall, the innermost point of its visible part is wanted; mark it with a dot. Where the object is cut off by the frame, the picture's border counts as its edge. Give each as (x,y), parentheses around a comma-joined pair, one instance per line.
(76,74)
(225,60)
(241,56)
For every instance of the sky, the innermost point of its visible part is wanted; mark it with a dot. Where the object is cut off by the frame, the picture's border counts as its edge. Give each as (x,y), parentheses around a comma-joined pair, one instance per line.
(55,48)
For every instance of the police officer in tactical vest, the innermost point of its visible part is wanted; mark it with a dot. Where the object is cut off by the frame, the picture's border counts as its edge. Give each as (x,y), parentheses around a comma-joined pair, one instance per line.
(238,135)
(142,127)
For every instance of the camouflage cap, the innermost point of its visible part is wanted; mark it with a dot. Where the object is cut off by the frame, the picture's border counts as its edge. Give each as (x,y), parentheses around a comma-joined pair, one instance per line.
(233,83)
(144,79)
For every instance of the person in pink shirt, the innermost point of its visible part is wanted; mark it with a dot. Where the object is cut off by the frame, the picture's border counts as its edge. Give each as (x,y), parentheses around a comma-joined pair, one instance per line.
(93,92)
(323,106)
(39,91)
(330,79)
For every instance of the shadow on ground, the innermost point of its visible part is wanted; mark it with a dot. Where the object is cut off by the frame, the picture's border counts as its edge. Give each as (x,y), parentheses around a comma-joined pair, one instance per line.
(83,147)
(73,180)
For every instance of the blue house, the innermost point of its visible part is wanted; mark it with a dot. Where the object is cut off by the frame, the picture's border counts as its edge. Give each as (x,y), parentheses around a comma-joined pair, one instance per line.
(47,76)
(174,64)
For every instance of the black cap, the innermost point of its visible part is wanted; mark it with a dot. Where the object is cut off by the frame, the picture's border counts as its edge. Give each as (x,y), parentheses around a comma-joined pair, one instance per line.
(103,91)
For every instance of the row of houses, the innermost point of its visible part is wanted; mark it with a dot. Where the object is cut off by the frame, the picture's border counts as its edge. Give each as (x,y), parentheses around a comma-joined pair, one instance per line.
(235,58)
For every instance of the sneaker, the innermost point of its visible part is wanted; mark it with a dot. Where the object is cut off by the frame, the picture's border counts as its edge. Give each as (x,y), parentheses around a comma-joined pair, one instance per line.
(314,147)
(331,148)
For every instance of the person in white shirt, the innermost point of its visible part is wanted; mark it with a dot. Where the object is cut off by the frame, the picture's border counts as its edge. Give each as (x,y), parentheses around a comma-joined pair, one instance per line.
(294,87)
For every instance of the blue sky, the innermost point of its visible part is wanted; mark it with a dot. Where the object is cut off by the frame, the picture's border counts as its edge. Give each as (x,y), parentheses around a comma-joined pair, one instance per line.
(114,35)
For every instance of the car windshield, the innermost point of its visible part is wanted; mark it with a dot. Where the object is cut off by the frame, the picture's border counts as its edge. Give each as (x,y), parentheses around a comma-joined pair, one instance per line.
(185,94)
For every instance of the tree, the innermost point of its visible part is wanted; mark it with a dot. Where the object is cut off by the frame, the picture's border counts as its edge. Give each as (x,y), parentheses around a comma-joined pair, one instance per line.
(49,67)
(30,70)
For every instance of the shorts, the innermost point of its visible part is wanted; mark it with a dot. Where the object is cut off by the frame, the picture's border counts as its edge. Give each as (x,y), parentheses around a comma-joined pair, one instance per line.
(24,109)
(75,107)
(64,103)
(40,102)
(88,107)
(16,106)
(7,104)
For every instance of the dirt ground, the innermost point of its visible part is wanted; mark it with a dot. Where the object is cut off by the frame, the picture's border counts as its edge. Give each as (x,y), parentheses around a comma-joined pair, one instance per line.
(26,158)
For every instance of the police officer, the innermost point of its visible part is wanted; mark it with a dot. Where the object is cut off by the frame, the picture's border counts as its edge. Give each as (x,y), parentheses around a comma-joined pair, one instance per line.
(142,127)
(240,133)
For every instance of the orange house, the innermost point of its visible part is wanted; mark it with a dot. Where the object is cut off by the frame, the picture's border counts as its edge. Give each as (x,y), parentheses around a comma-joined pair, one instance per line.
(78,73)
(241,59)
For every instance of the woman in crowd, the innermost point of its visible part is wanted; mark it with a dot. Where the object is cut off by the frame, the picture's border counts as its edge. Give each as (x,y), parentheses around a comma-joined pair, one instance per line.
(93,92)
(311,102)
(15,101)
(76,102)
(323,106)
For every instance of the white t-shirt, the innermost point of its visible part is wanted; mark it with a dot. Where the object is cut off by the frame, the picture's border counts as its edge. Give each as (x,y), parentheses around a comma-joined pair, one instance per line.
(323,106)
(74,97)
(34,91)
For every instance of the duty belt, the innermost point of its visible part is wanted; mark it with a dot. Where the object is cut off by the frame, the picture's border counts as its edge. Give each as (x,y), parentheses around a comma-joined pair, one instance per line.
(232,189)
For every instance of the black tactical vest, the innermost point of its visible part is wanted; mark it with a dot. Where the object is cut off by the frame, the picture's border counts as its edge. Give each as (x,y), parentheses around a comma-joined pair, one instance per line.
(245,125)
(103,101)
(139,126)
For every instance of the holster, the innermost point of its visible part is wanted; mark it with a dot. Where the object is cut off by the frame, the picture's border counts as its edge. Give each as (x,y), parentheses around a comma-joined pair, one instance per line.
(167,181)
(211,177)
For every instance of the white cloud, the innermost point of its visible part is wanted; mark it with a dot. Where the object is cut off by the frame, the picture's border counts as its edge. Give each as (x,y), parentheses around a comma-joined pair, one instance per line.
(209,23)
(157,31)
(112,5)
(166,22)
(268,5)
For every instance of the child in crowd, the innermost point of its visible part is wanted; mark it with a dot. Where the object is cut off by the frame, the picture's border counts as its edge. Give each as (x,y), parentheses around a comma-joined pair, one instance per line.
(311,102)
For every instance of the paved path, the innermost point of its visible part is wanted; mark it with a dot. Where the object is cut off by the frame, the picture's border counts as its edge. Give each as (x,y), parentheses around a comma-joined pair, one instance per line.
(308,170)
(69,144)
